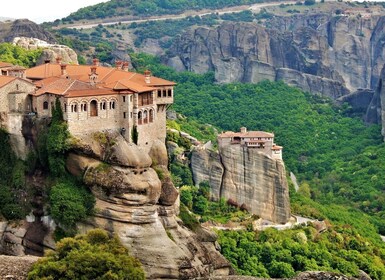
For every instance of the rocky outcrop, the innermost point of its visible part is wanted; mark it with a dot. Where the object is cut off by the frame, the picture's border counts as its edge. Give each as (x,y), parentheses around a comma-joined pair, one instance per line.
(23,28)
(246,176)
(50,51)
(30,237)
(136,200)
(332,56)
(378,102)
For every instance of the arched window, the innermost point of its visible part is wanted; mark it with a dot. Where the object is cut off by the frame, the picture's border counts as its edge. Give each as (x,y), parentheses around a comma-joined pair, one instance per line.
(140,117)
(74,108)
(83,107)
(93,108)
(103,105)
(112,105)
(45,105)
(145,117)
(151,115)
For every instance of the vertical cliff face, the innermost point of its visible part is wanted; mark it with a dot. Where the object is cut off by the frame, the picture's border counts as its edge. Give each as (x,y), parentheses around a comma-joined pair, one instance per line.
(246,176)
(333,56)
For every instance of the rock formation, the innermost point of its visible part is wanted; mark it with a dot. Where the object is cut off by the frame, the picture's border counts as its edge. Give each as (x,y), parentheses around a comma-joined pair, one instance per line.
(248,177)
(332,56)
(23,28)
(138,206)
(50,51)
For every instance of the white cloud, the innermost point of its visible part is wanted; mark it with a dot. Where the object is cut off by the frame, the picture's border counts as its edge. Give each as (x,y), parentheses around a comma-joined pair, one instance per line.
(43,10)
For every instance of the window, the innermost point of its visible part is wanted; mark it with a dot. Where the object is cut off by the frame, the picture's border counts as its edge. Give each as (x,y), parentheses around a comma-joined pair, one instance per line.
(45,105)
(65,107)
(169,93)
(112,105)
(124,99)
(103,105)
(74,108)
(124,115)
(145,117)
(164,93)
(151,115)
(140,118)
(159,93)
(83,107)
(93,108)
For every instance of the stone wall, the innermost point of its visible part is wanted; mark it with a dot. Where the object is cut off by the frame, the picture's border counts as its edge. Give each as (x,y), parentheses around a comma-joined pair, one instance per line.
(20,90)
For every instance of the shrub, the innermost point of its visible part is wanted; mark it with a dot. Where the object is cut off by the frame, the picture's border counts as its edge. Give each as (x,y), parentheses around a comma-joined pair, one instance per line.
(70,204)
(91,256)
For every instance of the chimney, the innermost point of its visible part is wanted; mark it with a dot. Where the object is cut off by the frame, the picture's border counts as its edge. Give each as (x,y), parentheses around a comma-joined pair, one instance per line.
(243,129)
(118,64)
(95,62)
(93,76)
(147,76)
(58,60)
(125,66)
(63,68)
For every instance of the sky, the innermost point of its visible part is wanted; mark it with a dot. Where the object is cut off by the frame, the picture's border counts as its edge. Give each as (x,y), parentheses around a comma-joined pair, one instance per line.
(43,10)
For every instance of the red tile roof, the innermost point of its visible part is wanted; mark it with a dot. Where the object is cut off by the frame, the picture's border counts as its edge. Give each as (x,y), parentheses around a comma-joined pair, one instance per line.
(106,75)
(276,147)
(4,80)
(5,64)
(70,88)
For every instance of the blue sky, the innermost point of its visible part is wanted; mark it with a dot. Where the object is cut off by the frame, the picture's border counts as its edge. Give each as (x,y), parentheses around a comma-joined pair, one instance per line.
(43,10)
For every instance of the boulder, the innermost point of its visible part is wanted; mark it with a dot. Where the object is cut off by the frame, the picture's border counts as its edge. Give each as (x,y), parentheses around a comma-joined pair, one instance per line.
(127,154)
(158,153)
(169,193)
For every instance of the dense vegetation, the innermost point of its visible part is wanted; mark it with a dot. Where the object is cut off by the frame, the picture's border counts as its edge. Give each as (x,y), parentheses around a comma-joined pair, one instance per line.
(12,182)
(281,254)
(91,256)
(121,8)
(337,159)
(69,200)
(18,55)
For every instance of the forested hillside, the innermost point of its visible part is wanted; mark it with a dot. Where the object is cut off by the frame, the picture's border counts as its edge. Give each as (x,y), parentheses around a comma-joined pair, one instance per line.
(119,8)
(337,158)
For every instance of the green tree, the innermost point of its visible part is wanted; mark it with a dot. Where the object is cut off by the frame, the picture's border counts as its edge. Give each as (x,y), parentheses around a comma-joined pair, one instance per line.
(135,134)
(57,141)
(200,205)
(91,256)
(70,204)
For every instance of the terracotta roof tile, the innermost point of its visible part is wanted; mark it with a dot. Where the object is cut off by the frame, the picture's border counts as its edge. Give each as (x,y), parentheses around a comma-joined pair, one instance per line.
(276,147)
(5,64)
(4,80)
(106,75)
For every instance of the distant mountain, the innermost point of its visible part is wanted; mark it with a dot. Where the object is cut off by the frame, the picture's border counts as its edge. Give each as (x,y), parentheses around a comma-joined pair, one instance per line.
(23,28)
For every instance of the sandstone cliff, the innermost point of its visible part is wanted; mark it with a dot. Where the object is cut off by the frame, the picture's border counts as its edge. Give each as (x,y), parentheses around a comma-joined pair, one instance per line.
(132,202)
(50,51)
(332,56)
(246,176)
